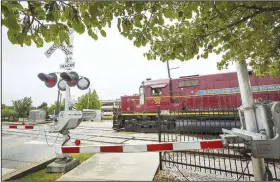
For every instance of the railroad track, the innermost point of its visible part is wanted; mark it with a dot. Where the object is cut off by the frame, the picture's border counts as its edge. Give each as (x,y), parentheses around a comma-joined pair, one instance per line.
(34,133)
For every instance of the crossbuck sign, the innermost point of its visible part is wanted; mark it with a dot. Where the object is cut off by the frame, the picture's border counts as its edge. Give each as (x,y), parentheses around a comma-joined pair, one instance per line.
(65,49)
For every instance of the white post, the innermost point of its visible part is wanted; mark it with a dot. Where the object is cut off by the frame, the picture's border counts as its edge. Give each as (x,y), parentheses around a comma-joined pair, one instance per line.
(249,114)
(69,58)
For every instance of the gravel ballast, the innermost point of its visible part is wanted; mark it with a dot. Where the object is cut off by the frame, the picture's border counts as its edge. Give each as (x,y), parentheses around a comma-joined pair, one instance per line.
(170,172)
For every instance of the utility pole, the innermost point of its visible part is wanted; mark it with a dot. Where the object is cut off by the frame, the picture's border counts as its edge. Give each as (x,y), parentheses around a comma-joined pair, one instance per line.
(249,114)
(170,82)
(168,69)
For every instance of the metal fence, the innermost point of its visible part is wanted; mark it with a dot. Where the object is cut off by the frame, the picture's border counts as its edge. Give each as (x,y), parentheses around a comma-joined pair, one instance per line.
(234,161)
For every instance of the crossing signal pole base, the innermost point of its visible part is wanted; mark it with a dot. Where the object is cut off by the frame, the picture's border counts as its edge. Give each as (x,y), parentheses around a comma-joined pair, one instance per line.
(62,165)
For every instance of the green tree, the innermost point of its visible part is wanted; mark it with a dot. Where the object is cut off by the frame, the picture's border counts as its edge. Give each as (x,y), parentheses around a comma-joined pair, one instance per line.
(43,105)
(3,106)
(52,108)
(89,100)
(7,112)
(174,30)
(22,107)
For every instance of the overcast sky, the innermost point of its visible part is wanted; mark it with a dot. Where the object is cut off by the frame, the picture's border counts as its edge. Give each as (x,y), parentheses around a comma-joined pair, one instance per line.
(114,66)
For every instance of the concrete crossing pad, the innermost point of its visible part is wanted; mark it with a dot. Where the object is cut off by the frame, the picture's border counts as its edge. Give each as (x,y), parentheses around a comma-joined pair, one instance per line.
(114,167)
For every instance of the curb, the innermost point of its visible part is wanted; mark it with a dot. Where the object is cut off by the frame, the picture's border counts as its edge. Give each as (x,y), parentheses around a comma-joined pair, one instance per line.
(27,170)
(157,171)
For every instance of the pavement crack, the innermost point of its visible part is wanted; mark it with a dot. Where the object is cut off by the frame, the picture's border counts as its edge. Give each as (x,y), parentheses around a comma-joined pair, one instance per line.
(128,140)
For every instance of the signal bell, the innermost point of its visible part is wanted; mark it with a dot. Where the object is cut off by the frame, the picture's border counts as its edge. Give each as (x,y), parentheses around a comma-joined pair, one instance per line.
(49,79)
(71,78)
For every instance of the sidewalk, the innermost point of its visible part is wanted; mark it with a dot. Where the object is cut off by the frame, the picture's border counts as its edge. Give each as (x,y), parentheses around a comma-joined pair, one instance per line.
(115,167)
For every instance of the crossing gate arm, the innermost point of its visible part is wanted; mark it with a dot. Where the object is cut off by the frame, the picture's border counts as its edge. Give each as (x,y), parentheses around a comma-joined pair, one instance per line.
(24,127)
(155,147)
(45,128)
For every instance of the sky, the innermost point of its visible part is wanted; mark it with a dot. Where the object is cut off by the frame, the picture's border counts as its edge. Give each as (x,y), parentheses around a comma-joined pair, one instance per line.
(114,66)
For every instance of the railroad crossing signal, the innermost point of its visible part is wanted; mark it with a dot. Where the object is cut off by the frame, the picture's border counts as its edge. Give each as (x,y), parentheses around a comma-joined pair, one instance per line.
(71,78)
(67,78)
(83,83)
(62,85)
(49,79)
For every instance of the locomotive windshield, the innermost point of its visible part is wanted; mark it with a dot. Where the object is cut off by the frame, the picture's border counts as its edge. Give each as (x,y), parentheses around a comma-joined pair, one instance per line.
(156,91)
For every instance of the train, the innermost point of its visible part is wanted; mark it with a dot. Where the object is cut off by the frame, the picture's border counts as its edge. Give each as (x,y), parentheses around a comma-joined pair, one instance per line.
(197,97)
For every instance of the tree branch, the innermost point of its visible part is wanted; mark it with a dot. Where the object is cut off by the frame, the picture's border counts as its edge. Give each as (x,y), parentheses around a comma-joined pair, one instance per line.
(260,8)
(237,22)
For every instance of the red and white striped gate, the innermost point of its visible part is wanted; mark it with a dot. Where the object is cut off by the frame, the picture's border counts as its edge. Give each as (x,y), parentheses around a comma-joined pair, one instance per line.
(155,147)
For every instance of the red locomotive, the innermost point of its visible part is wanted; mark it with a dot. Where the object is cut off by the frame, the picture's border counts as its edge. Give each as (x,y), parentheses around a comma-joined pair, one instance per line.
(195,92)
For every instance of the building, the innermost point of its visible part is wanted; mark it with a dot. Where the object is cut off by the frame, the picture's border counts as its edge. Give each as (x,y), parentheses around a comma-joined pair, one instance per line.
(107,107)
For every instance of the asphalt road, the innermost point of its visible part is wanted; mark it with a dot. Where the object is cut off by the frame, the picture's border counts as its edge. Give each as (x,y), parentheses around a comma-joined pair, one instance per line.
(20,151)
(24,147)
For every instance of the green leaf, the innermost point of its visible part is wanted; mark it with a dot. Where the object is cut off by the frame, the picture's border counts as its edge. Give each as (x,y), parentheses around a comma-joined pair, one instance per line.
(167,13)
(180,14)
(5,10)
(12,23)
(93,11)
(103,33)
(137,22)
(130,36)
(12,36)
(39,41)
(79,27)
(50,17)
(20,39)
(27,40)
(94,36)
(54,29)
(188,13)
(226,37)
(56,14)
(128,4)
(161,21)
(63,17)
(138,7)
(62,36)
(68,13)
(41,14)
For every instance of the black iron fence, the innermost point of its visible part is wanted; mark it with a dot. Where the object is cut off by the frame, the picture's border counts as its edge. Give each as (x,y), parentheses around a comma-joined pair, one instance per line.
(233,161)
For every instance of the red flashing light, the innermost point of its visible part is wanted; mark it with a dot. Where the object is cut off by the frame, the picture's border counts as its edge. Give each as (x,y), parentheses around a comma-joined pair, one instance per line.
(77,142)
(51,82)
(73,81)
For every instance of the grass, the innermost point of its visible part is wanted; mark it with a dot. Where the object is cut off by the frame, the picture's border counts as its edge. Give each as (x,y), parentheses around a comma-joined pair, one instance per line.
(107,118)
(43,176)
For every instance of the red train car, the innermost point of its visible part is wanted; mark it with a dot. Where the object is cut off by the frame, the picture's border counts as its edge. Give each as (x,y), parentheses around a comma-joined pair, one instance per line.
(195,92)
